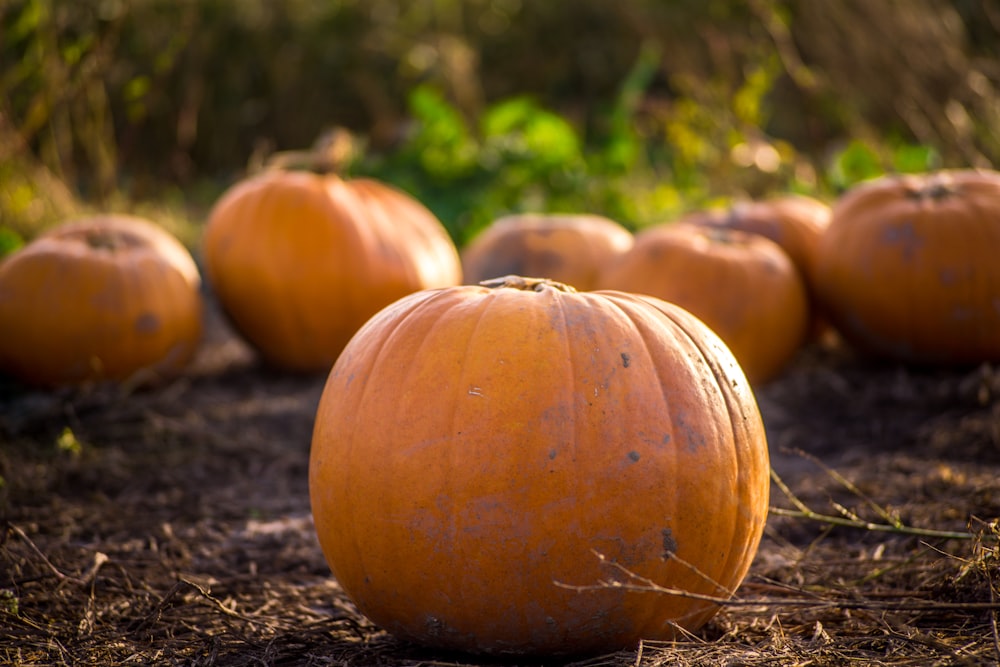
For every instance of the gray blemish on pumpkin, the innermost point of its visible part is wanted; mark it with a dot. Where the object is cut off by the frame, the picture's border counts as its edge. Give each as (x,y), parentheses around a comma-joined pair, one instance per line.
(147,323)
(690,433)
(962,313)
(552,454)
(669,544)
(904,236)
(634,455)
(666,438)
(948,277)
(626,359)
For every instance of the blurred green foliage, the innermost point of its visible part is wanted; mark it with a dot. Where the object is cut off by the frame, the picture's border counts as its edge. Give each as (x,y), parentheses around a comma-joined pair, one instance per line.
(10,241)
(638,109)
(519,157)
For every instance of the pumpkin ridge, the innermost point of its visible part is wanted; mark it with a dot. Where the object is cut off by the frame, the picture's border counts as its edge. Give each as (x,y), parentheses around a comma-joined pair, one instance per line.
(345,203)
(485,303)
(574,391)
(399,212)
(696,610)
(360,515)
(648,360)
(742,481)
(133,300)
(275,286)
(630,307)
(727,384)
(383,228)
(575,344)
(980,289)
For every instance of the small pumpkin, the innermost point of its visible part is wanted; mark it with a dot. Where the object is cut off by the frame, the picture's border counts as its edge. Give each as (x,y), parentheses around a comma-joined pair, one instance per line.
(299,260)
(109,297)
(795,222)
(481,450)
(569,248)
(742,285)
(908,268)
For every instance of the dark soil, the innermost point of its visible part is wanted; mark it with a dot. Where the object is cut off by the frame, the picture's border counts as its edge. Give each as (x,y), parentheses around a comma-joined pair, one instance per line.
(171,525)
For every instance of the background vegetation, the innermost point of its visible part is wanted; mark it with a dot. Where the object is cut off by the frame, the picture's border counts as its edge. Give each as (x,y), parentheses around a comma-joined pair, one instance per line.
(637,109)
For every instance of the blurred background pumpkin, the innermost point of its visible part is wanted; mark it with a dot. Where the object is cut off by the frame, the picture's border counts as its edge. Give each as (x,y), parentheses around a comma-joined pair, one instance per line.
(567,248)
(108,297)
(742,285)
(299,260)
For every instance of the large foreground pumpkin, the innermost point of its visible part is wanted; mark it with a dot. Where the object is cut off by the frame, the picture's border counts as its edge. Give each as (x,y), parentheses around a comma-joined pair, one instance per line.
(742,285)
(300,260)
(480,451)
(569,248)
(108,297)
(909,268)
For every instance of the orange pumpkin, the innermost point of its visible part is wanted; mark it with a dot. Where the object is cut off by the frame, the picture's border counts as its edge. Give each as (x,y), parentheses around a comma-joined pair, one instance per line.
(742,285)
(300,260)
(795,222)
(568,248)
(101,298)
(908,268)
(481,450)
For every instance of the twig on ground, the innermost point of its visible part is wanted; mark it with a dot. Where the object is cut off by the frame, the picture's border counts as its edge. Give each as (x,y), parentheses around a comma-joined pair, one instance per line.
(850,486)
(640,584)
(99,560)
(804,512)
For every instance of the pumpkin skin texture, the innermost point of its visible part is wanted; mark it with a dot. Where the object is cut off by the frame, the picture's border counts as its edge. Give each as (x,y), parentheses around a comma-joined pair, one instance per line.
(300,260)
(908,268)
(478,449)
(568,248)
(742,285)
(794,222)
(103,298)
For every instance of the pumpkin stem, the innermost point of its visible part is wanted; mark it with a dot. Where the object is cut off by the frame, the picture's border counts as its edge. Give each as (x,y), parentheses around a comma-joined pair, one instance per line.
(938,190)
(935,189)
(331,153)
(111,240)
(104,239)
(526,284)
(723,235)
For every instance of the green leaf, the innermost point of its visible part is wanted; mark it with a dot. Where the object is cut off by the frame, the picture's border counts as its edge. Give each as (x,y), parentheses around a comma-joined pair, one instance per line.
(540,135)
(857,162)
(9,241)
(137,88)
(27,22)
(911,158)
(68,442)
